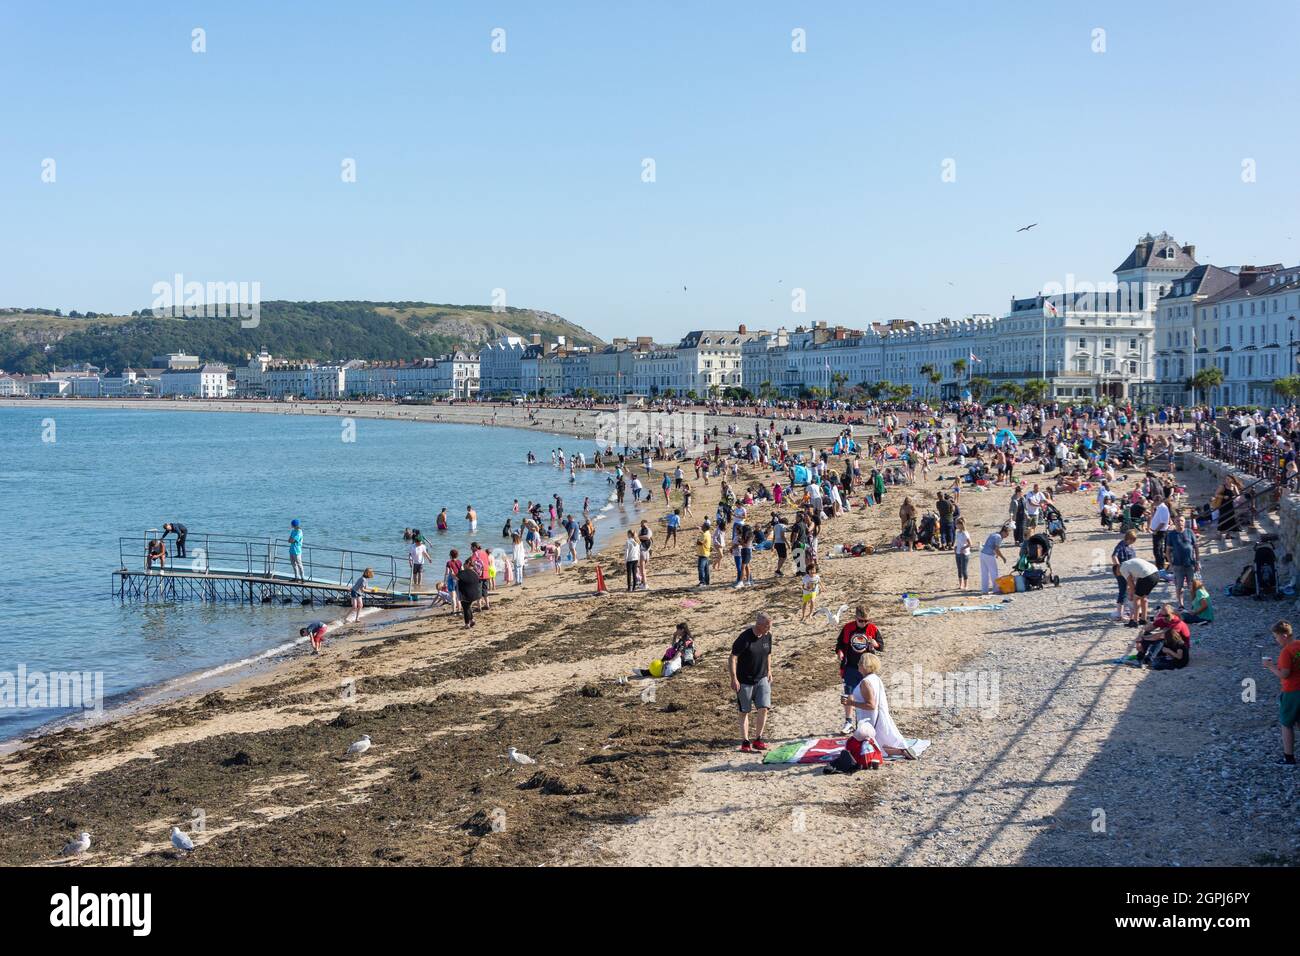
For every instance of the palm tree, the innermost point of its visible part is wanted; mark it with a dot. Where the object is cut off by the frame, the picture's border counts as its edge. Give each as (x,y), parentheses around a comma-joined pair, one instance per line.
(927,370)
(958,367)
(1208,378)
(837,382)
(1035,390)
(1012,392)
(979,387)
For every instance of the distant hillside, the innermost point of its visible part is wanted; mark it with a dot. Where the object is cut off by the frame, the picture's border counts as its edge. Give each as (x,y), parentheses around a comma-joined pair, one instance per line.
(37,340)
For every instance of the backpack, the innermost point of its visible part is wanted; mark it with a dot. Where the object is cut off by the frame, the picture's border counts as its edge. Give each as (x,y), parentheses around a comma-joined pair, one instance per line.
(1245,583)
(856,755)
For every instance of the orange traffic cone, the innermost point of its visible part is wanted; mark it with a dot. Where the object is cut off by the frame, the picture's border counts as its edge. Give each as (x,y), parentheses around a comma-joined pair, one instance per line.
(600,580)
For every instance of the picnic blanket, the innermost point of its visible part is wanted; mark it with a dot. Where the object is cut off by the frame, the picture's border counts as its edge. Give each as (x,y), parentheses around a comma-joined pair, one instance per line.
(823,750)
(956,609)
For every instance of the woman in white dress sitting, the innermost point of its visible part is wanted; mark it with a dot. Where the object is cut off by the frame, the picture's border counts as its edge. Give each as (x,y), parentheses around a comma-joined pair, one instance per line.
(871,711)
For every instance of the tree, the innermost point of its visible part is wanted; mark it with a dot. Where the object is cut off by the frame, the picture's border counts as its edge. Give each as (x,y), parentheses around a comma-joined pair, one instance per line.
(958,367)
(1208,378)
(837,382)
(1011,392)
(1035,390)
(901,393)
(1288,388)
(979,387)
(927,370)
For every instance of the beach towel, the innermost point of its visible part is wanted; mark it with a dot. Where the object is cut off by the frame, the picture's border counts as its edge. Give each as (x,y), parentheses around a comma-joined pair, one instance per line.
(814,750)
(824,750)
(956,609)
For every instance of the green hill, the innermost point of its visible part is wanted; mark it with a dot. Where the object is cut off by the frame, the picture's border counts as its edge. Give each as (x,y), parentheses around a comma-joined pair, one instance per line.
(37,340)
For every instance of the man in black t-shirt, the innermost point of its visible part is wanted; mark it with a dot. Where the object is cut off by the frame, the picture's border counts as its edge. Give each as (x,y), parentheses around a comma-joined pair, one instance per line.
(751,679)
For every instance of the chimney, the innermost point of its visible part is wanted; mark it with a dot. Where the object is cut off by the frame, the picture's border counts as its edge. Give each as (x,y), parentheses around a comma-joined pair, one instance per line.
(741,330)
(1189,251)
(535,338)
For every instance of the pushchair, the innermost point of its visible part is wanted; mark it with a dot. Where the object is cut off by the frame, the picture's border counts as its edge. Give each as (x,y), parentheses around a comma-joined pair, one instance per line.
(1266,571)
(1053,522)
(1037,550)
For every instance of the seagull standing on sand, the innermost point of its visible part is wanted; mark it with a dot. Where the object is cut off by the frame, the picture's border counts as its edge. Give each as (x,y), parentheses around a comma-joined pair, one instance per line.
(77,846)
(517,759)
(360,747)
(835,617)
(181,841)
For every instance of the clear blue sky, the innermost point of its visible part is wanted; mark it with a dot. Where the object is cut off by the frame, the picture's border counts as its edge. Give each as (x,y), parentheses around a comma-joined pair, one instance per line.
(522,170)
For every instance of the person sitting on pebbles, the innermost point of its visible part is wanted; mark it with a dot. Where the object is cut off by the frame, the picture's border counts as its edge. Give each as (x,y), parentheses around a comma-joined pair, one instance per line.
(871,711)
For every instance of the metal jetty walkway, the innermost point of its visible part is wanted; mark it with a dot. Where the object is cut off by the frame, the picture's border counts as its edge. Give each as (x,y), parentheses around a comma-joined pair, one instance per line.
(254,571)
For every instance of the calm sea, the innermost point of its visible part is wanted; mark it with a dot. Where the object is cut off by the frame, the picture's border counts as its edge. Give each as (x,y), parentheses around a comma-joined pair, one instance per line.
(73,481)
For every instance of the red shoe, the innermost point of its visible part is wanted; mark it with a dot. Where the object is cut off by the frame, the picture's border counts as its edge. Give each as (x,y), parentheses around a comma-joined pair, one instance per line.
(745,748)
(759,745)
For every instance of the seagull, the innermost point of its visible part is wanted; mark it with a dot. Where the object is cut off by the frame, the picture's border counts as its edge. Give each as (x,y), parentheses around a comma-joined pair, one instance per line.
(181,841)
(360,747)
(833,618)
(77,846)
(518,759)
(1027,228)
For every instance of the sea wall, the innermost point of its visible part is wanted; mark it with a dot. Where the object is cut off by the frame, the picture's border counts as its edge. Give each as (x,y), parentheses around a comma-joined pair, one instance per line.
(1288,512)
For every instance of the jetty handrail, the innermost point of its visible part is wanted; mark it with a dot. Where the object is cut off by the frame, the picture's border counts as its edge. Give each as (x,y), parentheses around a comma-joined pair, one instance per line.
(267,557)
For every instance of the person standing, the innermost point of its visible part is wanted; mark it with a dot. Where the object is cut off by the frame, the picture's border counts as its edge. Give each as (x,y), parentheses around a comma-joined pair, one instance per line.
(703,549)
(469,587)
(946,511)
(518,555)
(961,547)
(1158,525)
(646,541)
(178,529)
(1287,670)
(418,557)
(1123,552)
(859,636)
(1184,558)
(750,665)
(295,550)
(358,591)
(631,558)
(472,517)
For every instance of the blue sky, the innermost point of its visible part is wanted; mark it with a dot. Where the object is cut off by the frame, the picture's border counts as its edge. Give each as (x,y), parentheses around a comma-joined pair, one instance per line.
(522,170)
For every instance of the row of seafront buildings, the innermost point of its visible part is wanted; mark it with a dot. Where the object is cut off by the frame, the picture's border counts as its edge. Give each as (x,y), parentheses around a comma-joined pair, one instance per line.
(169,375)
(1141,337)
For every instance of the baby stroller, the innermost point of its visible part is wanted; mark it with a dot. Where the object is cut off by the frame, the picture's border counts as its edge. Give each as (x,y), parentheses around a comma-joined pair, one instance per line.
(1053,522)
(1037,550)
(1266,572)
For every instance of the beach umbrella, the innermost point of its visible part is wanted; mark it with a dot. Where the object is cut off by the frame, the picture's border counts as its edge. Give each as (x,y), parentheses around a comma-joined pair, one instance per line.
(1005,436)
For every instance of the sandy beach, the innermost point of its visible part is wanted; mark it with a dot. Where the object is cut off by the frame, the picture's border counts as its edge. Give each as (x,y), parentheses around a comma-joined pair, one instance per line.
(1077,763)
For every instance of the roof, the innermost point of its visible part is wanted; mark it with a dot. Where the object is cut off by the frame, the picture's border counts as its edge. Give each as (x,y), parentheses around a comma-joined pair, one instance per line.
(1203,280)
(1159,252)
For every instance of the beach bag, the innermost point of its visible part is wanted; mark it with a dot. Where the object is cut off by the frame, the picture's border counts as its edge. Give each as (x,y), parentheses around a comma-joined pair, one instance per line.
(856,755)
(671,667)
(1245,583)
(1007,584)
(688,654)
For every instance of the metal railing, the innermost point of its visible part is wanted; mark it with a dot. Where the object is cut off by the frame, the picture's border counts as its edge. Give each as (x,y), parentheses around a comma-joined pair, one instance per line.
(1260,461)
(266,558)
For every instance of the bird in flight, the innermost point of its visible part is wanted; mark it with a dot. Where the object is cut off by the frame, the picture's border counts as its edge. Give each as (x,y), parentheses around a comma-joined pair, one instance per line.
(1027,228)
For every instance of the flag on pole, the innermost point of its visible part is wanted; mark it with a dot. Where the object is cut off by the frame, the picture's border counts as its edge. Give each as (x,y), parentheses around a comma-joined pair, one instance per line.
(974,357)
(1049,307)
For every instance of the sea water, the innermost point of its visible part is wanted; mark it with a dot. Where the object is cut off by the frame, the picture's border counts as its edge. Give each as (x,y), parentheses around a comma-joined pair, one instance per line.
(73,481)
